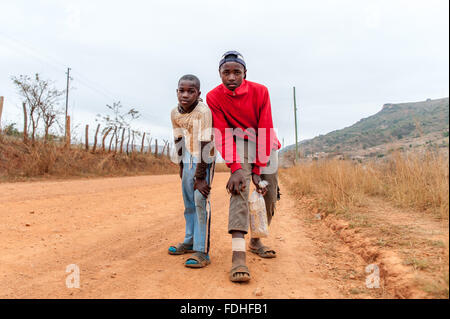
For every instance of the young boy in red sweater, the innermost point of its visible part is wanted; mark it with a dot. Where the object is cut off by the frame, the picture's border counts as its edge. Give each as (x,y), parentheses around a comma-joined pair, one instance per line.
(242,119)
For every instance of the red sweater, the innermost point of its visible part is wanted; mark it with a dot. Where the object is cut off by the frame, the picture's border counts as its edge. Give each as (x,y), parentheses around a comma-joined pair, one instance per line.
(247,107)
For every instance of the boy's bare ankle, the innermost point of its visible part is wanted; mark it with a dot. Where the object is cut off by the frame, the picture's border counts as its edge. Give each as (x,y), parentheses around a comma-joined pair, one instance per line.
(238,258)
(255,242)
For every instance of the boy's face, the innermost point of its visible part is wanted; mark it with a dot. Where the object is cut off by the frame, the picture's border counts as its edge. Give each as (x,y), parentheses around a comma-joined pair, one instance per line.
(232,74)
(187,93)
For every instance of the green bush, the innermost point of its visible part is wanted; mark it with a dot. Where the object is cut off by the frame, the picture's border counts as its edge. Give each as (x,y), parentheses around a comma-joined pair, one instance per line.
(10,130)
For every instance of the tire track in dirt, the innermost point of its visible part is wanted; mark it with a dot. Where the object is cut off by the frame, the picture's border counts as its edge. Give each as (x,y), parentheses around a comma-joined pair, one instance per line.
(117,230)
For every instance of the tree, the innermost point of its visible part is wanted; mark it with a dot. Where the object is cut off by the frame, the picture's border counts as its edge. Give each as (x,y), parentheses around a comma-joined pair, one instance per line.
(118,120)
(42,99)
(149,142)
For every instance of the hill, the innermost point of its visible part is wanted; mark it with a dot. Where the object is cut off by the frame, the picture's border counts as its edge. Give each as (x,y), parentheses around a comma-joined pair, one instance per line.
(409,125)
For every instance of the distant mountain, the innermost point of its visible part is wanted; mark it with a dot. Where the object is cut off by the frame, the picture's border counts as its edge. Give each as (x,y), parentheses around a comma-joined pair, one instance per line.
(395,122)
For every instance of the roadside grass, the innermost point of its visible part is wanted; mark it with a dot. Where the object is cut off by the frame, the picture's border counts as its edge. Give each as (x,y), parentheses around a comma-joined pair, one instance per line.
(418,181)
(221,168)
(436,288)
(419,264)
(352,192)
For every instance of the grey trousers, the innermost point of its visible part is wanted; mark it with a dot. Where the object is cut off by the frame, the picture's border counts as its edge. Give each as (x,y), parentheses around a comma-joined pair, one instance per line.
(238,218)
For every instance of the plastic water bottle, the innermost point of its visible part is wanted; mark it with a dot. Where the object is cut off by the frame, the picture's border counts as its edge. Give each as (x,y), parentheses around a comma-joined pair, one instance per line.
(259,225)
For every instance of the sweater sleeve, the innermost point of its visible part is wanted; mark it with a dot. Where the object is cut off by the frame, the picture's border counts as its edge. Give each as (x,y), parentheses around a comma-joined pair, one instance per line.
(225,143)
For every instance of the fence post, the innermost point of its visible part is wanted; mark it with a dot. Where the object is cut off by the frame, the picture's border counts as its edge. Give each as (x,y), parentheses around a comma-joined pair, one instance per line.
(87,137)
(104,138)
(128,140)
(68,131)
(142,144)
(121,142)
(95,138)
(132,141)
(112,137)
(1,109)
(149,151)
(164,147)
(25,123)
(156,147)
(116,139)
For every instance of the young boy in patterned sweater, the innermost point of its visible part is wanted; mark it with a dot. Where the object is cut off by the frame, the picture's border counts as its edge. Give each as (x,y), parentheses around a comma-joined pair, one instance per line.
(192,129)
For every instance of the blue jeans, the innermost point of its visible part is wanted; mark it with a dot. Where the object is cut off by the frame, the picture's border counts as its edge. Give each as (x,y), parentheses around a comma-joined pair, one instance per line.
(198,218)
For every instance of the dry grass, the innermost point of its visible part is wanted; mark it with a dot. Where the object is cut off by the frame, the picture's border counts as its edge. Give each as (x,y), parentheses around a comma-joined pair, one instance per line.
(19,161)
(419,181)
(221,168)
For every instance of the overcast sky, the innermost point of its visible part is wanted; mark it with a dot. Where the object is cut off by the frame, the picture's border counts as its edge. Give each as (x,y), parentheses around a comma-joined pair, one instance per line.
(346,58)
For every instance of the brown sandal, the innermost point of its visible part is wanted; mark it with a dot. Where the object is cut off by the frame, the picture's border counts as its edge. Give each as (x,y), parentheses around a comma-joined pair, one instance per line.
(240,269)
(264,252)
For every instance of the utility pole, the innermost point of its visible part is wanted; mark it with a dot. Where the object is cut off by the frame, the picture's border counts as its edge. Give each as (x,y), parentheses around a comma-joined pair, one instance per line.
(296,135)
(67,100)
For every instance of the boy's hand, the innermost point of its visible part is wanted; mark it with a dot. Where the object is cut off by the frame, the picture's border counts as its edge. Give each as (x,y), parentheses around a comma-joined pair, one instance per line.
(202,186)
(256,179)
(236,183)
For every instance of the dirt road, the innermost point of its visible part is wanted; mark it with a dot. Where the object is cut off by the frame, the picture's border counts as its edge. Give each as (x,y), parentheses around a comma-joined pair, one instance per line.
(117,231)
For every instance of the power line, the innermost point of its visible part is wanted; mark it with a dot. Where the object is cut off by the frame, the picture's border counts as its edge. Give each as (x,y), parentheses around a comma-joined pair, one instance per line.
(34,52)
(56,64)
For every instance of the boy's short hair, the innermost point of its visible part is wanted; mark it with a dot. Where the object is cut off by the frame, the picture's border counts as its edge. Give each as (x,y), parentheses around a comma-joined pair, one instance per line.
(190,77)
